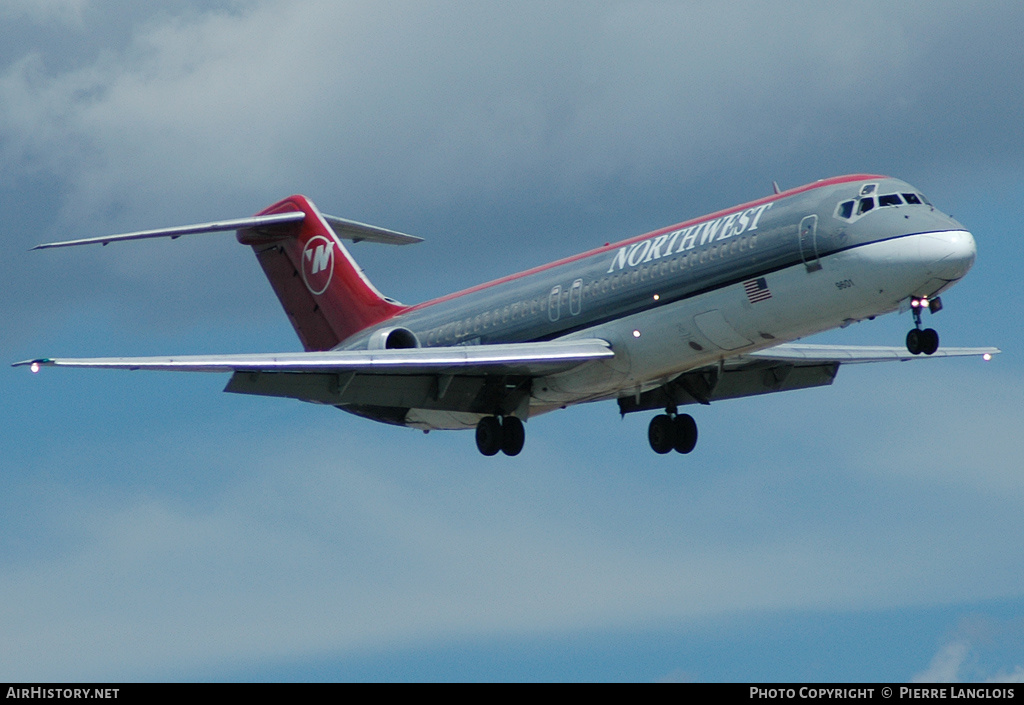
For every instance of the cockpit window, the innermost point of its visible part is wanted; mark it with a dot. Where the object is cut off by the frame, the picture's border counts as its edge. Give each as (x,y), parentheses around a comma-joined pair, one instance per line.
(869,198)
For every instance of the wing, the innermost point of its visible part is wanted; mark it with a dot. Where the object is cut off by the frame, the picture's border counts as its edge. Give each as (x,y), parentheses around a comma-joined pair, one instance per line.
(853,354)
(475,378)
(510,358)
(778,369)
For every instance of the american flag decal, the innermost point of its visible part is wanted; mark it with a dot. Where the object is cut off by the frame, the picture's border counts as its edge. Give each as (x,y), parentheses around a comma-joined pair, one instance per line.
(757,290)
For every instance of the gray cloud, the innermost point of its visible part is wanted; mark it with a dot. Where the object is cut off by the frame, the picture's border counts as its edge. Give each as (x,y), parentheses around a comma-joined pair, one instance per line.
(66,11)
(550,126)
(413,105)
(555,127)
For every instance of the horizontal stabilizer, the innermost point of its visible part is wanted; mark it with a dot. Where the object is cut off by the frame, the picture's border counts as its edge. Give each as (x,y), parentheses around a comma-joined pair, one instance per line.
(347,229)
(357,232)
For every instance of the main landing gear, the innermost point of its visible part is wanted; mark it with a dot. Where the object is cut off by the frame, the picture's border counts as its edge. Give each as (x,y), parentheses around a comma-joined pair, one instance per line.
(923,341)
(495,433)
(672,432)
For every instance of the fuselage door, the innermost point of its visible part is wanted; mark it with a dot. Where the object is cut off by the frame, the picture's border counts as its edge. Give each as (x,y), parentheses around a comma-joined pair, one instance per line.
(576,297)
(555,303)
(809,243)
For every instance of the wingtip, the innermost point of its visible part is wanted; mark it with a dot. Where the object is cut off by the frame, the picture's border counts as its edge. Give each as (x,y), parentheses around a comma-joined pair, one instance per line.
(34,364)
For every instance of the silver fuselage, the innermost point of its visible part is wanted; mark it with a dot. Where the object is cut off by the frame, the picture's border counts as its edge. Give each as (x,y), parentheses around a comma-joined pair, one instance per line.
(827,254)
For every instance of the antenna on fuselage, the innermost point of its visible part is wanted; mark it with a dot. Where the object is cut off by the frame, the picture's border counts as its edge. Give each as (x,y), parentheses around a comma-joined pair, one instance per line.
(775,185)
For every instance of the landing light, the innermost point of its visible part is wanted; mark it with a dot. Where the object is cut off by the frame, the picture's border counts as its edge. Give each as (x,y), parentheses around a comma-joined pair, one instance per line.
(636,334)
(657,297)
(34,367)
(986,357)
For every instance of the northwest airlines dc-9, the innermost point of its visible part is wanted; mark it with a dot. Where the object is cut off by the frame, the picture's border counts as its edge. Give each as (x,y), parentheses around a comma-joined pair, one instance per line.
(697,312)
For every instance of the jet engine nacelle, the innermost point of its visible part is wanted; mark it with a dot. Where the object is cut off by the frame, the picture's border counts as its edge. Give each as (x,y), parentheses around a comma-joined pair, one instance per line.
(392,338)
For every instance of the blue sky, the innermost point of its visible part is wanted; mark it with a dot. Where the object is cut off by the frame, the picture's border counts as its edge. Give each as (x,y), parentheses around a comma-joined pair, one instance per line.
(152,527)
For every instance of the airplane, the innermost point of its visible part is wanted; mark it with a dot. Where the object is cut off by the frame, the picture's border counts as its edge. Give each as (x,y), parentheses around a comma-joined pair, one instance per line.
(694,313)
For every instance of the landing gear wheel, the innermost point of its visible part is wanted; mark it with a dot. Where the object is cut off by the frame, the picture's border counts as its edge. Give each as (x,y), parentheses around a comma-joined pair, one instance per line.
(685,429)
(513,435)
(488,435)
(914,342)
(661,434)
(929,341)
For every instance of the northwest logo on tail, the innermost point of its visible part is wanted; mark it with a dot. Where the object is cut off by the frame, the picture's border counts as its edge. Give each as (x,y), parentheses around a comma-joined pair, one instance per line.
(318,263)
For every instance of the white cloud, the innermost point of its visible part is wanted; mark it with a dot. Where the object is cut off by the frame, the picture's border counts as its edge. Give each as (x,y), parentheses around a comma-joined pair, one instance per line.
(1016,676)
(956,663)
(945,666)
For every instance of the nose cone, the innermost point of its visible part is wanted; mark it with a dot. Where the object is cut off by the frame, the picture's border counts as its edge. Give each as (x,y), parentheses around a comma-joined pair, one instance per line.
(950,253)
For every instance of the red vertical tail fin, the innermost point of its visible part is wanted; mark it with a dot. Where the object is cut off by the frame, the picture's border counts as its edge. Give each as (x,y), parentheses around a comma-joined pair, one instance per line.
(322,289)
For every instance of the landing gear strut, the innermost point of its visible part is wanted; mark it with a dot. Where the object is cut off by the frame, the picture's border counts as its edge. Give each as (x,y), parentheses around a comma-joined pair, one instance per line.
(672,432)
(923,341)
(495,434)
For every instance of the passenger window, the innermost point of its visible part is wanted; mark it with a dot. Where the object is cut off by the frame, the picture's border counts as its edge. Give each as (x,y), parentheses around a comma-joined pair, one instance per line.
(890,199)
(866,204)
(846,209)
(912,198)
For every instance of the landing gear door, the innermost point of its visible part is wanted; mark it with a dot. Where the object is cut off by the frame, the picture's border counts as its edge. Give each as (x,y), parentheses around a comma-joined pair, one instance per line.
(809,243)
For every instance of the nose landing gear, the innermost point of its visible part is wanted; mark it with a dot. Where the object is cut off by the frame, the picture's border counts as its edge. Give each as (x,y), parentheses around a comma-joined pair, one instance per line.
(923,341)
(672,432)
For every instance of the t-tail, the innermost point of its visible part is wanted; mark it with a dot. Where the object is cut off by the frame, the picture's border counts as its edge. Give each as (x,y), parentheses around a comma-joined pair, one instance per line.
(324,292)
